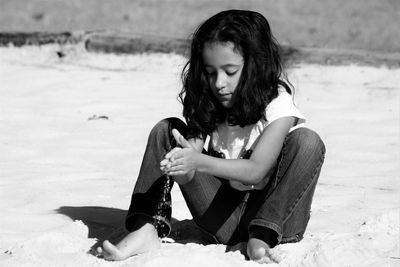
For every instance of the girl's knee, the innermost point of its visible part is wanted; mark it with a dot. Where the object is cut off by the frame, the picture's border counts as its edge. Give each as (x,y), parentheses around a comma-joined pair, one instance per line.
(307,140)
(165,126)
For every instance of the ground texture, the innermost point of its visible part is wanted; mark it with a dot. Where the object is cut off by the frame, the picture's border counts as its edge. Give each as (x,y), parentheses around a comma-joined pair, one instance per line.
(74,128)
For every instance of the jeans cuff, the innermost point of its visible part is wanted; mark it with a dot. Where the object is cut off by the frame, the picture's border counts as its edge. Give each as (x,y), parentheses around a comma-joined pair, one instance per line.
(270,225)
(292,239)
(162,224)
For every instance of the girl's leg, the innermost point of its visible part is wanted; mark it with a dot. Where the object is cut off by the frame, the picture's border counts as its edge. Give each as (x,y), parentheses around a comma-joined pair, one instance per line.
(280,212)
(151,196)
(215,206)
(150,211)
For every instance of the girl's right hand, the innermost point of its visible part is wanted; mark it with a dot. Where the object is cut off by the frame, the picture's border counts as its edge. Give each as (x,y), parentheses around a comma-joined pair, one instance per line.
(165,164)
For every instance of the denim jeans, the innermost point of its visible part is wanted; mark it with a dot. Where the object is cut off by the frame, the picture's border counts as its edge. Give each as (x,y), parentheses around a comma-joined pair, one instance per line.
(225,213)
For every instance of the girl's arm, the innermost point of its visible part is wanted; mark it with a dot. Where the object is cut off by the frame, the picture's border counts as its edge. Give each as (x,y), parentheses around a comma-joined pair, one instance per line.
(248,171)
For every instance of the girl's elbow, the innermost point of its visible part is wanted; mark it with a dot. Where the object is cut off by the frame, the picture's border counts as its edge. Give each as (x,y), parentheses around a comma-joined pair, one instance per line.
(256,174)
(256,178)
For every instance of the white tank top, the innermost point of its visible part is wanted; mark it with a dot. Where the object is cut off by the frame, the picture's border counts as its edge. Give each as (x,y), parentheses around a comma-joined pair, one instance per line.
(234,141)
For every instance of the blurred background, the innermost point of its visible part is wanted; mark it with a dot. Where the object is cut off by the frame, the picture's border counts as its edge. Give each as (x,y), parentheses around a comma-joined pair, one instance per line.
(338,24)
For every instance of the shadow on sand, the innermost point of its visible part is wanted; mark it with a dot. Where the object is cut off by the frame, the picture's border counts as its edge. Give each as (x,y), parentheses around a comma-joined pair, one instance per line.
(108,223)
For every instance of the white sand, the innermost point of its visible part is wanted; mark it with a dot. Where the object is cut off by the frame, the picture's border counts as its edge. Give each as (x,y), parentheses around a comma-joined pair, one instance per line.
(57,166)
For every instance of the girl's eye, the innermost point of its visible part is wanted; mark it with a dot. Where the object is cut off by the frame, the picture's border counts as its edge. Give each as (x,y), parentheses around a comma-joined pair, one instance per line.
(231,73)
(213,73)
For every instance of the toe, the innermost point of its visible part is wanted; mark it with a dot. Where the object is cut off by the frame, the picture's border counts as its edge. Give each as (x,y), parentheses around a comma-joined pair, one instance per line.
(256,253)
(257,249)
(111,252)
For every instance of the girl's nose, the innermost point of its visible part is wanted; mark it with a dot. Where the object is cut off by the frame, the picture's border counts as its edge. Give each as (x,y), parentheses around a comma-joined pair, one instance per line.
(220,82)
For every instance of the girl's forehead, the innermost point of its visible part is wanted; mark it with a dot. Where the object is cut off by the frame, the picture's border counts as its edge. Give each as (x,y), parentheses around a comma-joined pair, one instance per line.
(221,53)
(218,44)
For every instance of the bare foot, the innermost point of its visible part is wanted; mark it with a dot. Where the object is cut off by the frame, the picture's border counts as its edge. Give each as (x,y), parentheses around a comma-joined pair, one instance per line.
(140,241)
(259,251)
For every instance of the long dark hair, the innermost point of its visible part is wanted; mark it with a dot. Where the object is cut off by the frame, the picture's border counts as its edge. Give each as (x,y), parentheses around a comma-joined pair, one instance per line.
(251,36)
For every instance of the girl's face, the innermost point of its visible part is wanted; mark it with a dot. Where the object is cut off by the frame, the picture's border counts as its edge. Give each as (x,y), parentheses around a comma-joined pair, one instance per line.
(223,67)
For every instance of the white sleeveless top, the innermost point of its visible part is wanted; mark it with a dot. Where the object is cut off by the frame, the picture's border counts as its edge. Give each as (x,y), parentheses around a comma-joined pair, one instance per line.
(234,141)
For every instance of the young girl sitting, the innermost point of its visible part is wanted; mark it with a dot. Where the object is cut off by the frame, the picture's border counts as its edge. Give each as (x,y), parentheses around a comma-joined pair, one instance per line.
(254,181)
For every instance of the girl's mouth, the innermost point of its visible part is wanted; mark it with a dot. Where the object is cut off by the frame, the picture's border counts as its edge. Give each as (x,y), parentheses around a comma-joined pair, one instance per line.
(224,95)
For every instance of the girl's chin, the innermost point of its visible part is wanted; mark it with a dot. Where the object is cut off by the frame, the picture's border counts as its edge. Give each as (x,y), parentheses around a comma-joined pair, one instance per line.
(226,104)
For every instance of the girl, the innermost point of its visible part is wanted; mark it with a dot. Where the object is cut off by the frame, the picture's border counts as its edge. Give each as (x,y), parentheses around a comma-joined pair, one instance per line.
(255,181)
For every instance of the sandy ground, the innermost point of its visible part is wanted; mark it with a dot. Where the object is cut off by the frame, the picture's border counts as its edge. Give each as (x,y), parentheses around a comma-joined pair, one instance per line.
(73,131)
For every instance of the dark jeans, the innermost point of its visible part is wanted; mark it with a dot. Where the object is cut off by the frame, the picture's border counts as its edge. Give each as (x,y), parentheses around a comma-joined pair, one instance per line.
(229,215)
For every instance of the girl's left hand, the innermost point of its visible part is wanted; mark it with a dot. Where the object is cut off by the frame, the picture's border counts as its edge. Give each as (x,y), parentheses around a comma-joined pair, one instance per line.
(181,161)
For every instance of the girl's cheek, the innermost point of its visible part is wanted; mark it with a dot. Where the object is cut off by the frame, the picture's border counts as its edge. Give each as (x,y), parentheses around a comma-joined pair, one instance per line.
(211,82)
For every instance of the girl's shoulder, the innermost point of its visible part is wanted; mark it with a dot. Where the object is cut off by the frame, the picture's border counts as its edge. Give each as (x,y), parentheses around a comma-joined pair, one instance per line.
(282,92)
(282,106)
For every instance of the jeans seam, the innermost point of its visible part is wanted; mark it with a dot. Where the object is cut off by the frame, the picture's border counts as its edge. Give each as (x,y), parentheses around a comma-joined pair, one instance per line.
(243,207)
(284,148)
(314,175)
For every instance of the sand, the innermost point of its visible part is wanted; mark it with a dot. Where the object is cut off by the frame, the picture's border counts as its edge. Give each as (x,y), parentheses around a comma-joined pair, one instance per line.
(73,132)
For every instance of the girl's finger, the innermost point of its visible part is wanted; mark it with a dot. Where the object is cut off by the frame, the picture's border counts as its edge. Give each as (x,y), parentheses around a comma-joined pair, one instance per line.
(176,135)
(165,165)
(180,139)
(175,156)
(164,162)
(173,151)
(174,168)
(176,162)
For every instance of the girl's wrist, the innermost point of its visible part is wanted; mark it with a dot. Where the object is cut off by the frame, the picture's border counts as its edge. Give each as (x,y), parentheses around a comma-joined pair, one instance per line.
(196,161)
(199,163)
